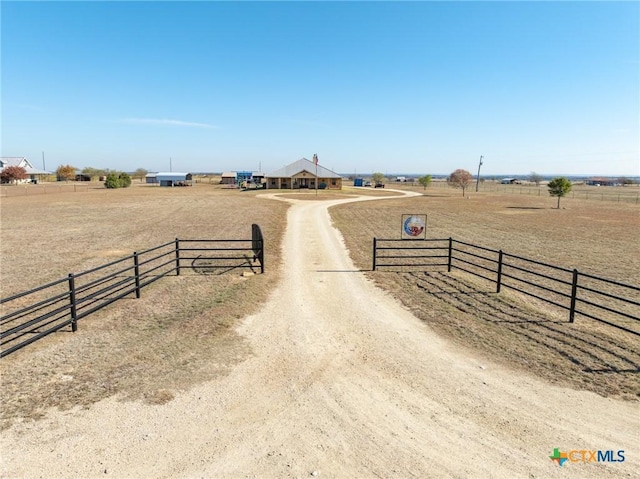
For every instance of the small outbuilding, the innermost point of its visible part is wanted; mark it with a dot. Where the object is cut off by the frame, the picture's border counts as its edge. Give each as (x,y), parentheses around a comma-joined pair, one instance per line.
(228,178)
(151,178)
(603,181)
(239,177)
(174,179)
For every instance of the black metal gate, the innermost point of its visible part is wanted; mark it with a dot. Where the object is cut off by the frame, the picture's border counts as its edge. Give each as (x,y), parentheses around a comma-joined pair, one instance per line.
(31,315)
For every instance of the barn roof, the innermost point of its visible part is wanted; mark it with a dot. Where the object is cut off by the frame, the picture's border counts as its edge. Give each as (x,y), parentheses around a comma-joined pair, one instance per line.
(171,174)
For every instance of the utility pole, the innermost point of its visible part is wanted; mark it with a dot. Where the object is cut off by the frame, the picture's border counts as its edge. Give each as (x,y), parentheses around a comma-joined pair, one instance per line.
(170,170)
(43,166)
(478,177)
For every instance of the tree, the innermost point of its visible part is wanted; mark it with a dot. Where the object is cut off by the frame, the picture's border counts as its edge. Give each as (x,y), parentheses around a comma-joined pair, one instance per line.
(425,181)
(112,181)
(66,172)
(11,174)
(117,180)
(460,179)
(125,180)
(377,177)
(559,187)
(140,173)
(535,178)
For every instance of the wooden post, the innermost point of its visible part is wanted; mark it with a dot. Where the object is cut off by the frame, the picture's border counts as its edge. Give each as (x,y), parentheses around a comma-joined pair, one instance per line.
(450,255)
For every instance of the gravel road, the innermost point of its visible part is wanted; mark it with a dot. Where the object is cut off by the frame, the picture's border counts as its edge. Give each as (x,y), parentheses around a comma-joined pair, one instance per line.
(343,382)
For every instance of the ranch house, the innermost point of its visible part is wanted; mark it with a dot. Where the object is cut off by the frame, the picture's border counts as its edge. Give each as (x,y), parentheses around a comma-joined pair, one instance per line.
(303,174)
(34,173)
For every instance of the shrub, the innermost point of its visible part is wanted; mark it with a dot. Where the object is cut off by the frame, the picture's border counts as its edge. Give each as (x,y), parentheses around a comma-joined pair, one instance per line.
(125,180)
(117,180)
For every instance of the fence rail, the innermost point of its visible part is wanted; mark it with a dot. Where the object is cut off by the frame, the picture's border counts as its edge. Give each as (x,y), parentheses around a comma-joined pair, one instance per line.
(31,315)
(609,302)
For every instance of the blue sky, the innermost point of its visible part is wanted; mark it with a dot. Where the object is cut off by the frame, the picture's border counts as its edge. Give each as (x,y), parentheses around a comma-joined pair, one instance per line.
(396,87)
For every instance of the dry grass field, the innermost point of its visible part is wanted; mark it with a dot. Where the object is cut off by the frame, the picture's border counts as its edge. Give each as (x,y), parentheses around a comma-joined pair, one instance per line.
(181,332)
(627,194)
(599,238)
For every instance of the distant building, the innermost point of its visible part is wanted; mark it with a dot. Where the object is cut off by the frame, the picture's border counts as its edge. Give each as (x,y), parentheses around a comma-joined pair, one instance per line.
(228,178)
(510,181)
(151,178)
(81,177)
(237,177)
(303,174)
(34,174)
(601,181)
(174,179)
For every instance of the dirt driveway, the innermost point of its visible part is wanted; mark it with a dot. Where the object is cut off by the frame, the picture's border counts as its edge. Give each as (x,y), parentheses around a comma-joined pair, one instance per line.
(343,382)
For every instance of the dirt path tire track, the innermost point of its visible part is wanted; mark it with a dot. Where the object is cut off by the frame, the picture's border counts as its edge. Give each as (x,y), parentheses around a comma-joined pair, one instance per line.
(343,382)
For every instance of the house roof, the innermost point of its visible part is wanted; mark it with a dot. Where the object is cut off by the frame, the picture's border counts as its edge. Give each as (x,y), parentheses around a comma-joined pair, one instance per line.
(14,161)
(36,171)
(302,165)
(24,163)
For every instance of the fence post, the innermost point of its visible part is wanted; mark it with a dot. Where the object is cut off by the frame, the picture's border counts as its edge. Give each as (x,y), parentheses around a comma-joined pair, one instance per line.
(261,258)
(374,254)
(499,279)
(72,300)
(574,291)
(450,255)
(136,270)
(177,247)
(257,245)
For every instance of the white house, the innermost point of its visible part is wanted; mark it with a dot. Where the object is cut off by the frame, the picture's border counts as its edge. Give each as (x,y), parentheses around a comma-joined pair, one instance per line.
(21,161)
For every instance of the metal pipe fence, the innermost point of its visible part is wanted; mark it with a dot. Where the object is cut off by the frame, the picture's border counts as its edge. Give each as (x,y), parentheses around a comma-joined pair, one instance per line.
(31,315)
(609,302)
